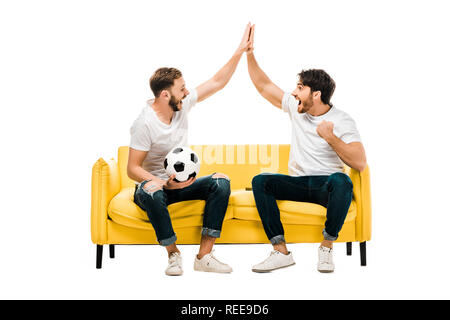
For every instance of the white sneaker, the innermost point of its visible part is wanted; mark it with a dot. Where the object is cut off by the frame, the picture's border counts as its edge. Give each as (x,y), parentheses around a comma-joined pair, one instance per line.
(175,267)
(209,263)
(325,263)
(276,260)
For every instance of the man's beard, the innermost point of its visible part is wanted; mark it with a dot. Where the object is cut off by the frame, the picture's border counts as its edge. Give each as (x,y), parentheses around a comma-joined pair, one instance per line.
(173,103)
(307,104)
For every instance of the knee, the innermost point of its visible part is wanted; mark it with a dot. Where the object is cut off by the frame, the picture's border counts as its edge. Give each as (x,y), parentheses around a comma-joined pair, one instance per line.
(152,192)
(219,175)
(151,188)
(341,180)
(221,183)
(258,181)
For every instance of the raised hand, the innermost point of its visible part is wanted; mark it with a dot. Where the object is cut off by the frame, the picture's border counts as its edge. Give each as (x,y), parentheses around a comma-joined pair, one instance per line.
(252,40)
(221,78)
(245,42)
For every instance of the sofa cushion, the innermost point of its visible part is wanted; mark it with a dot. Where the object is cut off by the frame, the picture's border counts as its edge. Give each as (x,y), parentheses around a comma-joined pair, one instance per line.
(291,212)
(124,211)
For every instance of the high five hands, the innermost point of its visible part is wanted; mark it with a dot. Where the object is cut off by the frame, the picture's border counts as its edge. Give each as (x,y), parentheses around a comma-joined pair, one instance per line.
(251,40)
(246,44)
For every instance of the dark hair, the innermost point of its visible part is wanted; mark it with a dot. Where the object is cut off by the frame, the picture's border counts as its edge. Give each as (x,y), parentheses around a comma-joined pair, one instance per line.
(163,79)
(319,80)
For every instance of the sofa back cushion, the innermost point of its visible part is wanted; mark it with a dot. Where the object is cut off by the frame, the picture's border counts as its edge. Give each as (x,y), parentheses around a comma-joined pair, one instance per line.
(239,162)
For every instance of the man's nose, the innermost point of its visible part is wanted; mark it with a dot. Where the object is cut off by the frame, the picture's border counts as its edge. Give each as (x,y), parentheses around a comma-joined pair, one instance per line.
(294,93)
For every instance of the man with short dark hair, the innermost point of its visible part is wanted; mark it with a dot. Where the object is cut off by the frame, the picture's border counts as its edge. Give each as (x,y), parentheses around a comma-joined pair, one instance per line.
(323,138)
(161,126)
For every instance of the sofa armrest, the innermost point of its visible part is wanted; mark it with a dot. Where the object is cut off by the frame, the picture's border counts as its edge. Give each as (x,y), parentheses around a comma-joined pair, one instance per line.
(105,185)
(361,193)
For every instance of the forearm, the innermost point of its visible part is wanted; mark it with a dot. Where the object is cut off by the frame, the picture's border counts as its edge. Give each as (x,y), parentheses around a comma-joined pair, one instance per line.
(263,84)
(257,75)
(223,76)
(139,174)
(352,155)
(219,80)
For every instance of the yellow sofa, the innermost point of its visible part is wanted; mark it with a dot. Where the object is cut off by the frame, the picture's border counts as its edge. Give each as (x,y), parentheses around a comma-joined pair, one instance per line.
(115,219)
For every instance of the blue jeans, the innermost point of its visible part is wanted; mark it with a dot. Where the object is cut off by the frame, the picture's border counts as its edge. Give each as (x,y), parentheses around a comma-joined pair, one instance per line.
(216,192)
(333,192)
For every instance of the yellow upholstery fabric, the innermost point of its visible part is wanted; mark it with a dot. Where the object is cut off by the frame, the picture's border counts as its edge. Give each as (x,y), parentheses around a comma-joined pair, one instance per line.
(291,212)
(115,219)
(105,185)
(124,211)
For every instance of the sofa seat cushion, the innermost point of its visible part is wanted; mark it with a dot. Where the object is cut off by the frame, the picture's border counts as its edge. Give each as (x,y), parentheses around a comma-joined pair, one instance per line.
(124,211)
(292,212)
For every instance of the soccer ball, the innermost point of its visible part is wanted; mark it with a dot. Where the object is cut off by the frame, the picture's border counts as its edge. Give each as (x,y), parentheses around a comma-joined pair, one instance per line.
(182,162)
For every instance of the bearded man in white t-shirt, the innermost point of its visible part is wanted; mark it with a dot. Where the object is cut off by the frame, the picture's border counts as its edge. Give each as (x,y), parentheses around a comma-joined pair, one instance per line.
(161,126)
(323,138)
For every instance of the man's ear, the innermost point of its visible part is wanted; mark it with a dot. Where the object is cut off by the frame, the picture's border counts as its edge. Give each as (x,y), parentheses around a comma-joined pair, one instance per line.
(165,94)
(317,95)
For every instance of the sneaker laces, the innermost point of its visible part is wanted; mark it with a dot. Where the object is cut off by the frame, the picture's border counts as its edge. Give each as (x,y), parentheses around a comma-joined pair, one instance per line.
(212,257)
(173,259)
(325,255)
(274,252)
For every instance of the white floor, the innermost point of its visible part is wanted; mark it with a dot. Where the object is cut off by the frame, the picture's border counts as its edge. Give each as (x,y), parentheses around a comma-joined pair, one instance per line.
(137,272)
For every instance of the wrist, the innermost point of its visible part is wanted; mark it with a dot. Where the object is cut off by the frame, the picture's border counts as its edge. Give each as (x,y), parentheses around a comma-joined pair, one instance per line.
(331,139)
(239,52)
(156,180)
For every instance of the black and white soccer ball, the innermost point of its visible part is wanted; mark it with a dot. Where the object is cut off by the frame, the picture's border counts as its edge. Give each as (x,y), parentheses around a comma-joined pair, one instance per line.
(182,162)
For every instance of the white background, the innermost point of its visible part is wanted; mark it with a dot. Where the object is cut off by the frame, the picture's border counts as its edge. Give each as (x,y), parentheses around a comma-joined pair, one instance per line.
(74,75)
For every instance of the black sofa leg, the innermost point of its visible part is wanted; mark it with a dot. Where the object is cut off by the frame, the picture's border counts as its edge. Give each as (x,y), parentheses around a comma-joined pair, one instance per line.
(362,249)
(349,248)
(99,256)
(111,251)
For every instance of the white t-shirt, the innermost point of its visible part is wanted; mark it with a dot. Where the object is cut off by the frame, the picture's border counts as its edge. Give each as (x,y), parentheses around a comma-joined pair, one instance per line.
(310,154)
(148,133)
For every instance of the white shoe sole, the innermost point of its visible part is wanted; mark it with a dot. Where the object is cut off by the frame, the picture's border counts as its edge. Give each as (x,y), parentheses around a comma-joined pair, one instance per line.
(174,274)
(214,271)
(325,270)
(270,270)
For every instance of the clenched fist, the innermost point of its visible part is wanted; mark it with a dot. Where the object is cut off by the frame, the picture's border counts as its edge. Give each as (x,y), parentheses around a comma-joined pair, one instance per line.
(325,130)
